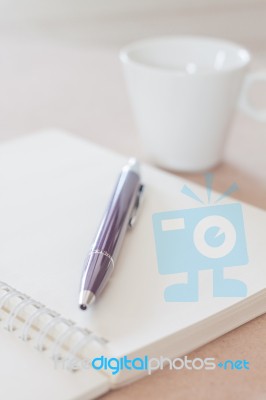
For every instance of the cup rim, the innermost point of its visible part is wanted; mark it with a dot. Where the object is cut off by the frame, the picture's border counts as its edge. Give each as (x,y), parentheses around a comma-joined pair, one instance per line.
(124,54)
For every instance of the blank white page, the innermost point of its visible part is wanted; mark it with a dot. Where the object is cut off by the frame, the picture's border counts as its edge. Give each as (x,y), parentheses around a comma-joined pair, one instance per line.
(54,189)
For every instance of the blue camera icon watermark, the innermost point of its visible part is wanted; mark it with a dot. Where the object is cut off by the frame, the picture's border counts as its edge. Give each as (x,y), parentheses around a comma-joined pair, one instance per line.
(204,238)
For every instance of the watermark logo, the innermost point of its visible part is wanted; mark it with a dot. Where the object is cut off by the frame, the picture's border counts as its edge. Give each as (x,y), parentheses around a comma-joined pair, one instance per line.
(116,365)
(209,237)
(234,365)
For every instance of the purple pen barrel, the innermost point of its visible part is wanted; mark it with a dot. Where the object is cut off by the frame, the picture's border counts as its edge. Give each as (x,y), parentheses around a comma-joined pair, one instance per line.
(118,216)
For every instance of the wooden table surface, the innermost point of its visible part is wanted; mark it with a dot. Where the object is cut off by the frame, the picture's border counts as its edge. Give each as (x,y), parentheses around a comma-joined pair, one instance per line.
(48,83)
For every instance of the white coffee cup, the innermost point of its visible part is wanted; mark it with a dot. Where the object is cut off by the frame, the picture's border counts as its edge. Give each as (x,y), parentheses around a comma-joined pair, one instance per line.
(183,92)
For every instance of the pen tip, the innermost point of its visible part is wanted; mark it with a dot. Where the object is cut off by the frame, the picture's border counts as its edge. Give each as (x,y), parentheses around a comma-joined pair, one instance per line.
(86,298)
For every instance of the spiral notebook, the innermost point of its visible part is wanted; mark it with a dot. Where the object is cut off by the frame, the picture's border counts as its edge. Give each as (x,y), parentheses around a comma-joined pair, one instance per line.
(54,188)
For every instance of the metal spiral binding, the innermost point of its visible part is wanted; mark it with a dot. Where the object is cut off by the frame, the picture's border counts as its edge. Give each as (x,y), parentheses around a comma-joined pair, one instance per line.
(14,312)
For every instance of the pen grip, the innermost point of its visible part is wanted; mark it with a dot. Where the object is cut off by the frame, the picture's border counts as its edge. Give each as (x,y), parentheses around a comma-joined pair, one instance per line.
(97,270)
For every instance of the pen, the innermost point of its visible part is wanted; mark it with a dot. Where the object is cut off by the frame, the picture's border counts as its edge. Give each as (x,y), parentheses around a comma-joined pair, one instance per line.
(120,214)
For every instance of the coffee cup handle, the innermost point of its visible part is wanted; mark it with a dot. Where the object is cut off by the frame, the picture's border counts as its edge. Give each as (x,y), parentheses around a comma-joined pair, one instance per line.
(245,103)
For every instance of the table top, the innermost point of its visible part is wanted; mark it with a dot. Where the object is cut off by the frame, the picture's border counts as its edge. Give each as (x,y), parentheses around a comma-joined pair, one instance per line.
(81,89)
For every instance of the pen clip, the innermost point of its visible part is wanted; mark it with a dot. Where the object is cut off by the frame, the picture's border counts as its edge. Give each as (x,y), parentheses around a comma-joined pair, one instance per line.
(138,202)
